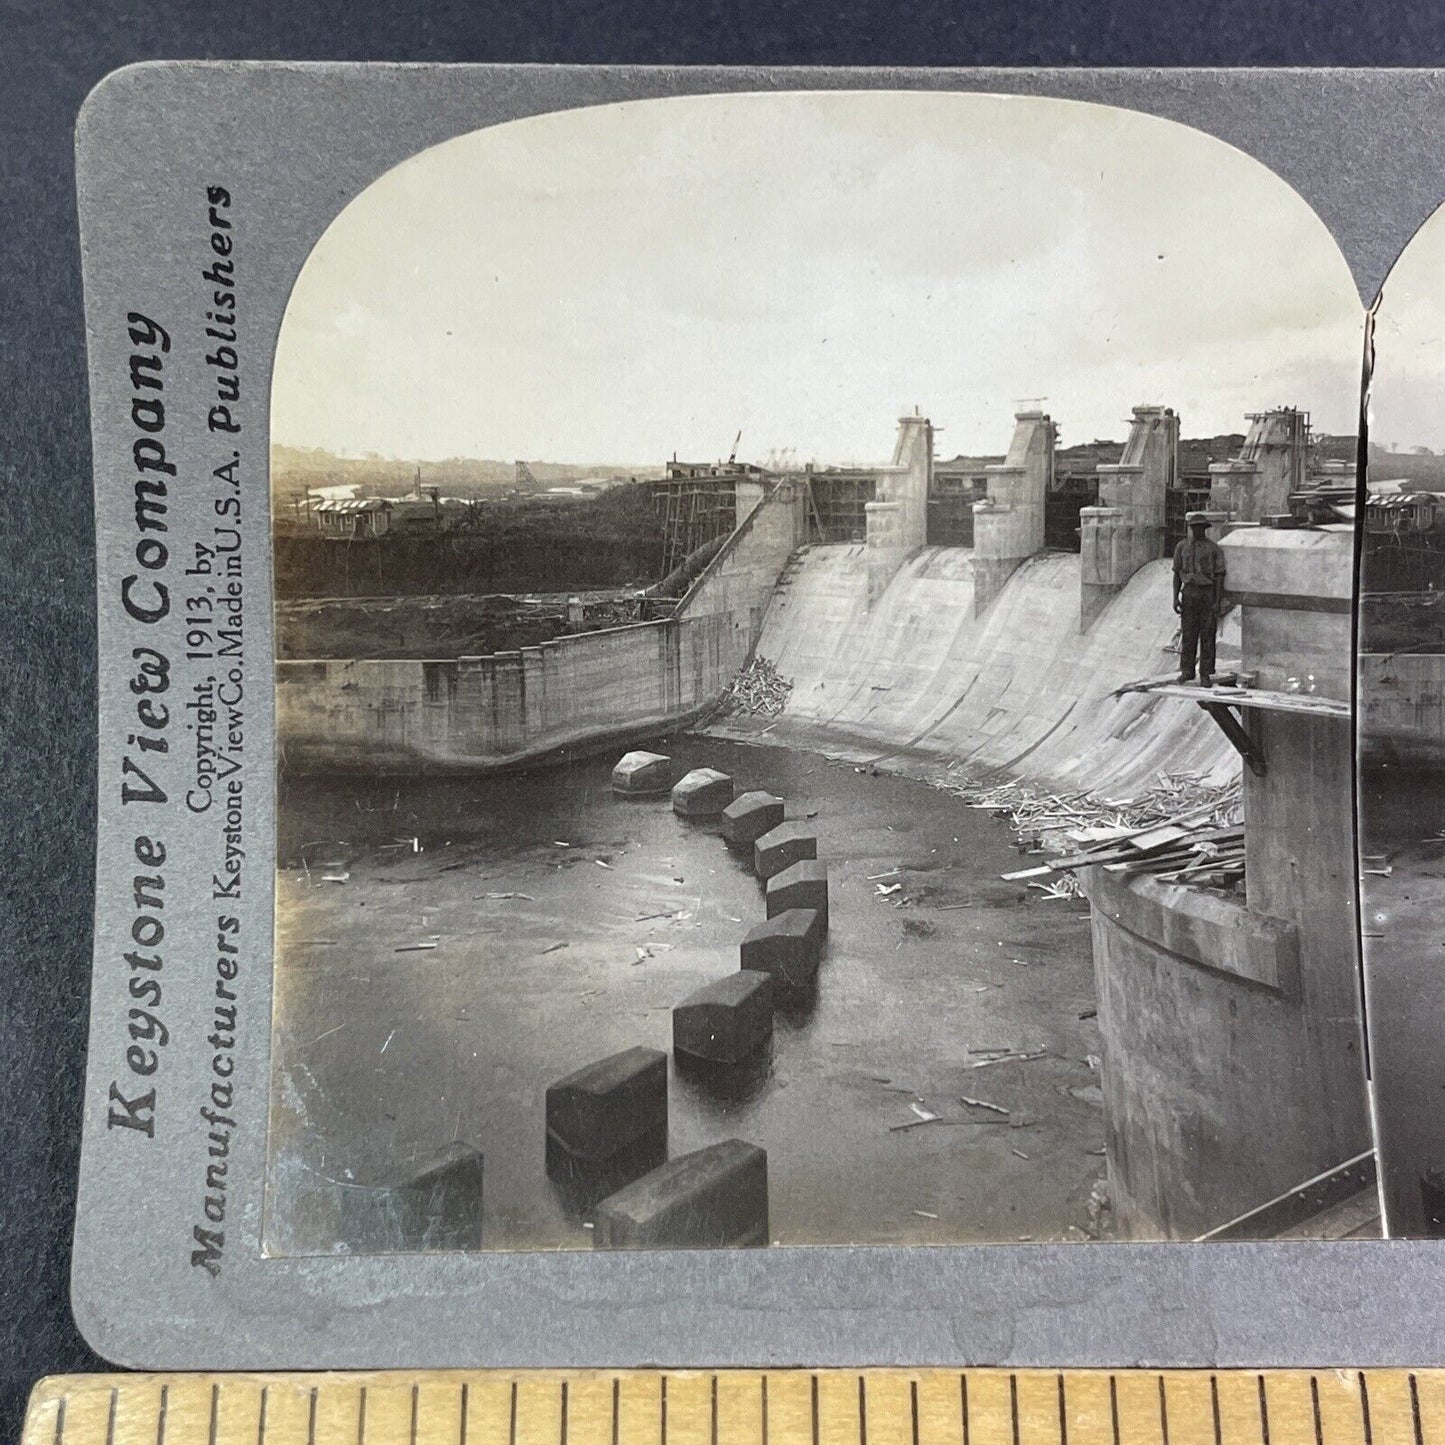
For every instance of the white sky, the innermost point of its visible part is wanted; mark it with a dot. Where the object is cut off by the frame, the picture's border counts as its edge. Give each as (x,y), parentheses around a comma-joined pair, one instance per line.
(1407,391)
(619,283)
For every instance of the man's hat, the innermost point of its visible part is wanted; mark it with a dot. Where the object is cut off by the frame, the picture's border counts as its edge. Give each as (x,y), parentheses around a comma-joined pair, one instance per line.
(1198,519)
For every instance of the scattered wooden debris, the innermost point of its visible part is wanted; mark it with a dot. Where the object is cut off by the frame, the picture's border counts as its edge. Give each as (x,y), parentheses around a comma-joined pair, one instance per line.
(759,689)
(1012,1057)
(982,1104)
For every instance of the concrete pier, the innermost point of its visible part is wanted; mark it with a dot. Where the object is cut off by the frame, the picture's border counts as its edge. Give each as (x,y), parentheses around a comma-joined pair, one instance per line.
(1272,463)
(727,1021)
(781,847)
(1126,530)
(747,818)
(702,793)
(802,885)
(712,1199)
(1008,525)
(897,519)
(788,947)
(610,1104)
(642,773)
(439,1208)
(1233,1050)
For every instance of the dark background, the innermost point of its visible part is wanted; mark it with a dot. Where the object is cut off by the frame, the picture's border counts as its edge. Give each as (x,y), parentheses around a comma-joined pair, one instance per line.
(51,53)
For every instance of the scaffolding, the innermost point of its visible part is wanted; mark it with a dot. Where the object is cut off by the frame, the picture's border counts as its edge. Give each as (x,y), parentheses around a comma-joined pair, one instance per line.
(696,503)
(836,504)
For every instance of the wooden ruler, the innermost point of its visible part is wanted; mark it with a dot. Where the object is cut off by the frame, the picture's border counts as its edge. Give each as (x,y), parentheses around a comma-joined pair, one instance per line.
(746,1407)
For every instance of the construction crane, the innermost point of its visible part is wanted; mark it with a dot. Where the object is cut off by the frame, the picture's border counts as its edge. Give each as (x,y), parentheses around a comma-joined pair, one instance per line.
(525,477)
(733,455)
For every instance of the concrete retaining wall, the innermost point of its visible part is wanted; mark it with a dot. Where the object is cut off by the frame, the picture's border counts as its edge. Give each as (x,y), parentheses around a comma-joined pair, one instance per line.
(473,714)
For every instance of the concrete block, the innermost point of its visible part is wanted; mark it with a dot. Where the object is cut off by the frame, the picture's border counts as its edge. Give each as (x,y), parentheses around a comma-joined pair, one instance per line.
(800,885)
(580,1183)
(781,847)
(727,1021)
(787,948)
(714,1198)
(437,1208)
(702,793)
(747,818)
(644,773)
(610,1104)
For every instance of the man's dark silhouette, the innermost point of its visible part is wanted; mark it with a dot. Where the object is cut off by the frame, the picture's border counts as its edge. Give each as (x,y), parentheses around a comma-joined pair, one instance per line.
(1198,597)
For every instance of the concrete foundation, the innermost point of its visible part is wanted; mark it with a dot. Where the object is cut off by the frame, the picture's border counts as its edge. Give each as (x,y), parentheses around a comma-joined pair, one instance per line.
(1272,463)
(712,1199)
(584,692)
(642,773)
(1126,530)
(1008,525)
(788,948)
(802,885)
(702,793)
(727,1021)
(1232,1066)
(609,1105)
(781,847)
(748,817)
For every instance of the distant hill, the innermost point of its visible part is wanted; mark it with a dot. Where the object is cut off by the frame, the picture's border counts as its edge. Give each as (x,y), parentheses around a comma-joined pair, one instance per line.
(296,470)
(1421,469)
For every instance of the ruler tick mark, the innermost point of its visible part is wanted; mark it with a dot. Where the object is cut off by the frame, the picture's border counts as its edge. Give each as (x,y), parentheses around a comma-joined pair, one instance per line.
(913,1405)
(1114,1406)
(165,1405)
(1263,1413)
(1365,1408)
(815,1410)
(765,1410)
(261,1418)
(1214,1407)
(1013,1406)
(361,1416)
(616,1406)
(110,1418)
(1163,1414)
(1063,1413)
(512,1417)
(663,1407)
(963,1404)
(462,1432)
(415,1392)
(564,1416)
(862,1411)
(1415,1411)
(1315,1410)
(60,1420)
(215,1413)
(714,1410)
(311,1418)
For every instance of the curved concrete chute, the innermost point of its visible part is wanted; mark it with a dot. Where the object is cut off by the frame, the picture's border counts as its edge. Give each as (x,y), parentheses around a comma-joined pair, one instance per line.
(1017,691)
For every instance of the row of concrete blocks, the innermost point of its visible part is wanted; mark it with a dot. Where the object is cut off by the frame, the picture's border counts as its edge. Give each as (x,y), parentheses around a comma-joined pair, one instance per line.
(607,1146)
(607,1124)
(729,1021)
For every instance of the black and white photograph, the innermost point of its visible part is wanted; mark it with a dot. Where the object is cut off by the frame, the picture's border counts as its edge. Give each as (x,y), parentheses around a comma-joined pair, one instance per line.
(1400,680)
(813,685)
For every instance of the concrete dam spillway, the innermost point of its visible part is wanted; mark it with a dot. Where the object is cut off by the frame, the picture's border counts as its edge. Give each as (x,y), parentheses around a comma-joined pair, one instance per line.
(1018,691)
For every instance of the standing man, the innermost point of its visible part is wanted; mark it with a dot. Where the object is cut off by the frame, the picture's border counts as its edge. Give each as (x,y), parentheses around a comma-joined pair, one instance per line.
(1198,598)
